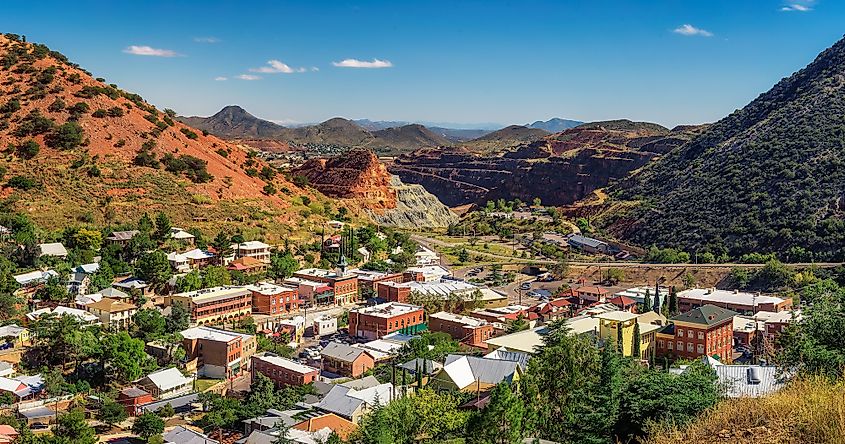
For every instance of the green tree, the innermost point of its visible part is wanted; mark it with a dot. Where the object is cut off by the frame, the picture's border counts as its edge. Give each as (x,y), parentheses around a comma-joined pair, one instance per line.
(216,276)
(148,324)
(463,256)
(501,421)
(673,301)
(178,320)
(29,149)
(636,353)
(222,245)
(282,265)
(111,412)
(154,268)
(72,428)
(125,357)
(163,226)
(145,224)
(518,324)
(148,425)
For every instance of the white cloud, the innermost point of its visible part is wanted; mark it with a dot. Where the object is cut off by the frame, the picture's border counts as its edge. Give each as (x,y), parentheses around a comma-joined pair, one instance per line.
(355,63)
(221,78)
(277,66)
(206,39)
(314,68)
(689,30)
(144,50)
(797,7)
(249,77)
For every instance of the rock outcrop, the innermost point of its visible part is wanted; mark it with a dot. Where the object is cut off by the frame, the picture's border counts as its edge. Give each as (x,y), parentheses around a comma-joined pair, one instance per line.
(360,177)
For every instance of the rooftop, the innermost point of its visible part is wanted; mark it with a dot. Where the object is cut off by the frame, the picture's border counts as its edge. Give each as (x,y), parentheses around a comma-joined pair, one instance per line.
(122,235)
(212,334)
(342,352)
(111,305)
(53,249)
(728,296)
(706,315)
(168,378)
(463,320)
(285,363)
(269,289)
(387,310)
(584,240)
(617,316)
(214,293)
(253,245)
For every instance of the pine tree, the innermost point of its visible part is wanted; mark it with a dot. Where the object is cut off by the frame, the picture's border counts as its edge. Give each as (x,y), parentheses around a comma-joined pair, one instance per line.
(636,346)
(647,300)
(673,302)
(656,307)
(621,344)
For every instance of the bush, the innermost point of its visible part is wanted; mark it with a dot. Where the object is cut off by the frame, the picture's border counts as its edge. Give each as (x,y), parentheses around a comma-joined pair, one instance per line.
(57,105)
(189,134)
(99,113)
(33,124)
(66,137)
(21,183)
(145,158)
(194,168)
(300,181)
(269,189)
(115,111)
(28,149)
(10,107)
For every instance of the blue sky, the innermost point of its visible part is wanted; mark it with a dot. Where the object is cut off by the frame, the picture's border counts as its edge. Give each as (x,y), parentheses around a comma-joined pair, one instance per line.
(450,61)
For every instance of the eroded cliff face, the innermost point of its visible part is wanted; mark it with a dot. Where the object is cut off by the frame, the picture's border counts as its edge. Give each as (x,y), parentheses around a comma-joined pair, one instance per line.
(560,169)
(415,208)
(359,176)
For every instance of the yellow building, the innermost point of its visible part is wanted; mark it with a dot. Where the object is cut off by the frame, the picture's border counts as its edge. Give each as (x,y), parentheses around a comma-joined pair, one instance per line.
(610,323)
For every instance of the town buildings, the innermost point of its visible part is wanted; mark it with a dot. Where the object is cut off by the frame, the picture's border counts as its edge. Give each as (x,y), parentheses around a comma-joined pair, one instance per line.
(589,245)
(271,299)
(254,249)
(215,305)
(469,330)
(344,285)
(345,360)
(325,325)
(113,313)
(702,331)
(379,320)
(466,293)
(741,302)
(167,383)
(133,397)
(219,353)
(121,238)
(283,372)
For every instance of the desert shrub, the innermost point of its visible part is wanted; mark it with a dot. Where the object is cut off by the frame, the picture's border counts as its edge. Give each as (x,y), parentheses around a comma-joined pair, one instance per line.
(99,113)
(22,183)
(57,105)
(33,124)
(66,137)
(189,134)
(28,149)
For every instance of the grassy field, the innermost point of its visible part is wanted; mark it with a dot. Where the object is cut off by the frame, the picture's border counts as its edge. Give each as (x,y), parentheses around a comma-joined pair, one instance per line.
(204,384)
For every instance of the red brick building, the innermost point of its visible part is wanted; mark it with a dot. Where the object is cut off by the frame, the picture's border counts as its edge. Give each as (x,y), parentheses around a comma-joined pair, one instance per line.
(345,360)
(379,320)
(271,299)
(283,372)
(470,331)
(589,294)
(132,397)
(344,285)
(704,331)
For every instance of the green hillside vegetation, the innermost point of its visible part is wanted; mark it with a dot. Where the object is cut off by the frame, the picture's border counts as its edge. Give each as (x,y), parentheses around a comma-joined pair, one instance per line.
(767,178)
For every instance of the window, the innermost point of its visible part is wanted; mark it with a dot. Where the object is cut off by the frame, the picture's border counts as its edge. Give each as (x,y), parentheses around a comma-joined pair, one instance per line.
(680,346)
(700,349)
(660,343)
(680,332)
(671,345)
(689,347)
(700,335)
(689,333)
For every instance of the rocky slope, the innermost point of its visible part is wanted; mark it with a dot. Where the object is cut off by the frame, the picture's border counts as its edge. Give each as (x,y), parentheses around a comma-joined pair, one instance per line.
(560,169)
(361,179)
(407,138)
(555,125)
(768,177)
(85,150)
(503,139)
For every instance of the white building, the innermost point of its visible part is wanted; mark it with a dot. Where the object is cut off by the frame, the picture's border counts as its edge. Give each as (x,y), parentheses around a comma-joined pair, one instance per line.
(325,325)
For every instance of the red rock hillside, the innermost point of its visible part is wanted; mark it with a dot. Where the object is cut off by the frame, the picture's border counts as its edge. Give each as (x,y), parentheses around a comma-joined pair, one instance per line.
(81,149)
(357,175)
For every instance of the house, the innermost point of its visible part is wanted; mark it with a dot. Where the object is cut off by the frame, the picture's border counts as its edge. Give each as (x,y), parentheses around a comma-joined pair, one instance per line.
(293,327)
(181,404)
(191,260)
(167,383)
(133,285)
(14,334)
(589,245)
(743,381)
(341,426)
(8,434)
(83,316)
(77,283)
(504,314)
(247,265)
(215,305)
(609,332)
(625,303)
(34,278)
(113,313)
(379,320)
(589,294)
(325,325)
(220,354)
(552,310)
(638,294)
(181,235)
(741,302)
(7,369)
(465,329)
(427,366)
(282,371)
(365,254)
(703,331)
(121,238)
(503,354)
(352,404)
(182,435)
(271,299)
(383,349)
(55,249)
(474,374)
(22,387)
(132,397)
(253,249)
(343,284)
(345,360)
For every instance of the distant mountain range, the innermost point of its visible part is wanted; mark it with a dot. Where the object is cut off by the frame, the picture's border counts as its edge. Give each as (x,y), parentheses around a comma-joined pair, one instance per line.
(385,137)
(555,125)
